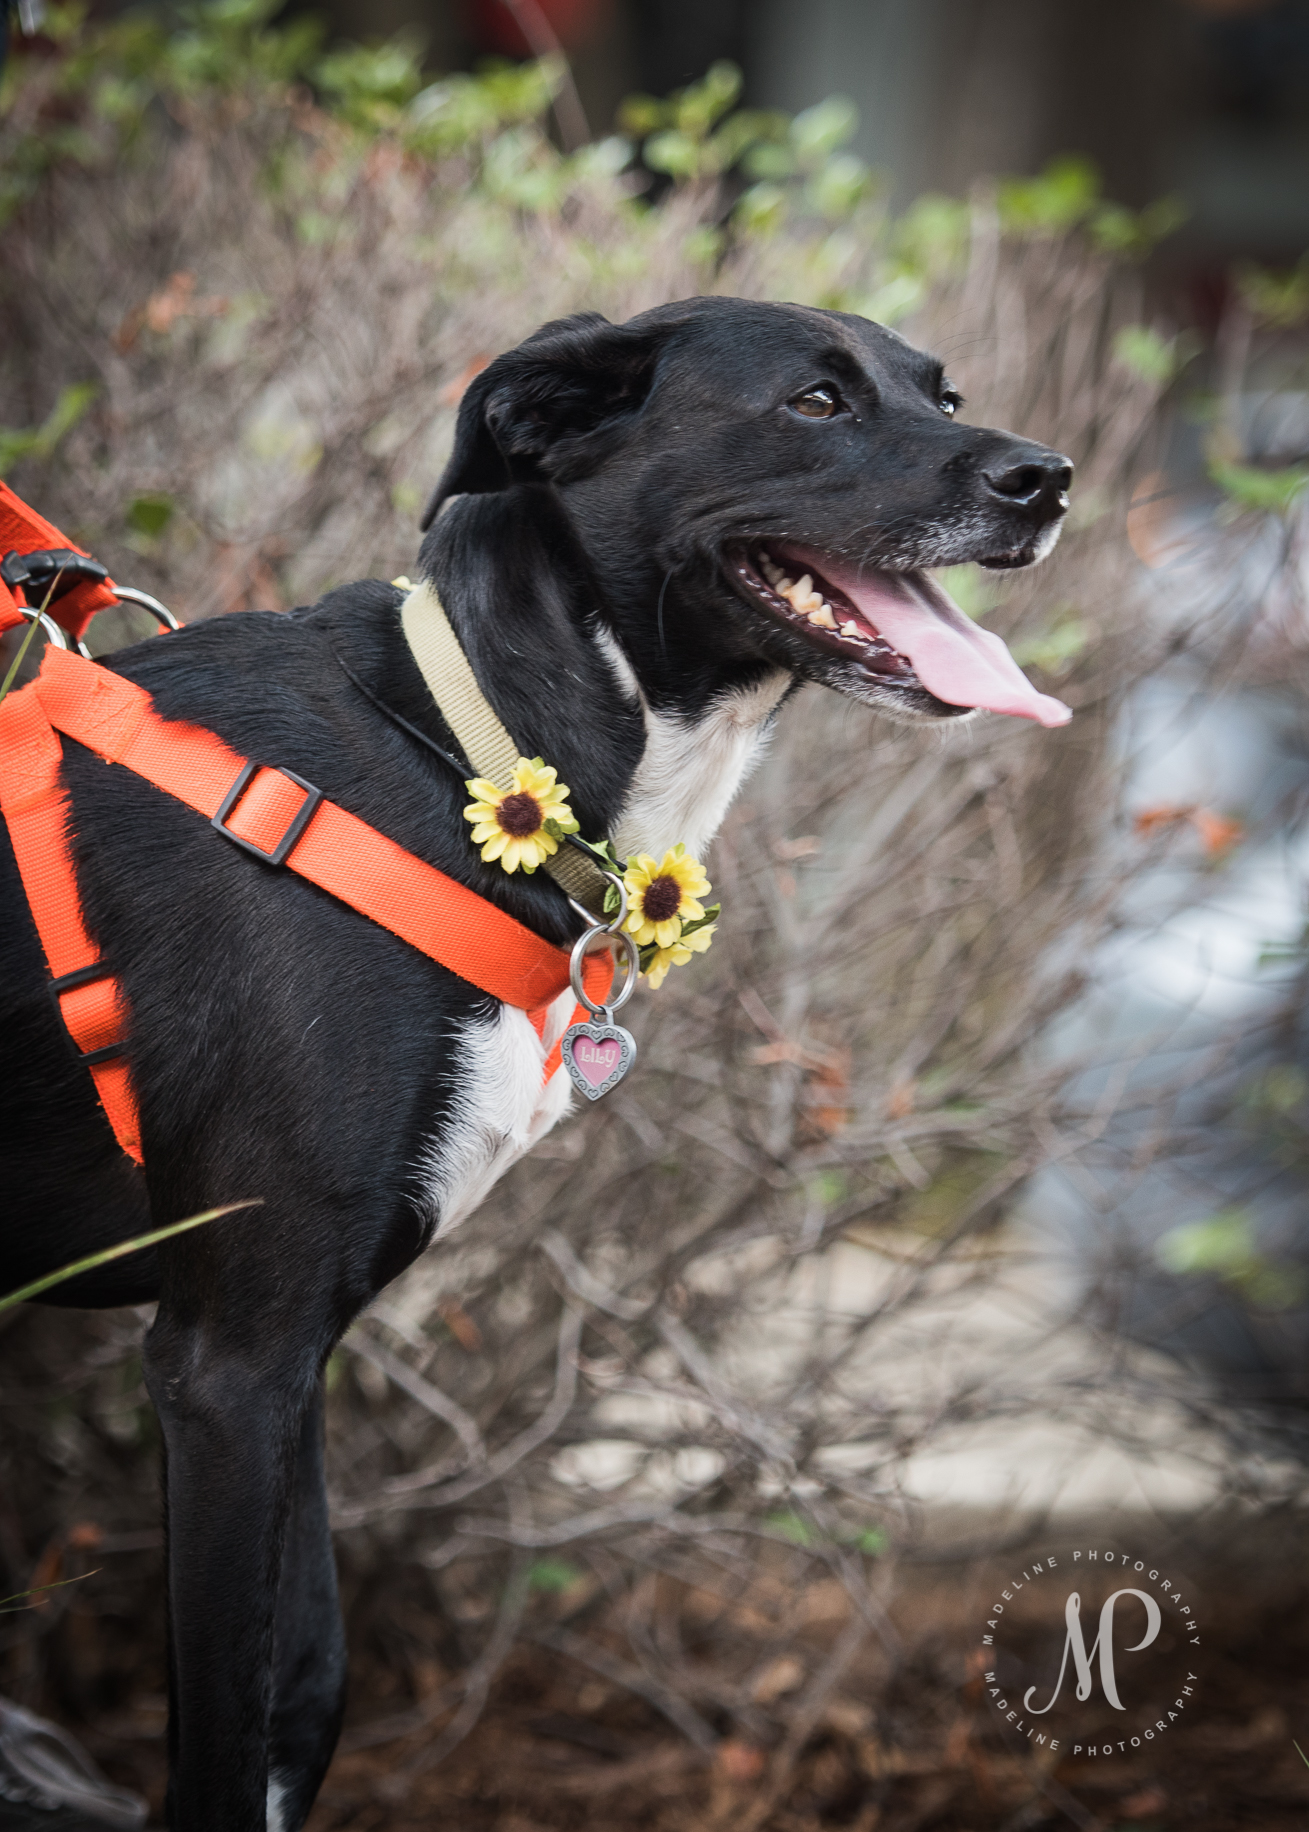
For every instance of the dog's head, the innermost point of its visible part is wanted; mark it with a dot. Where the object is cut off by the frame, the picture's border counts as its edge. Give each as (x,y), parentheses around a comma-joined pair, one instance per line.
(771,484)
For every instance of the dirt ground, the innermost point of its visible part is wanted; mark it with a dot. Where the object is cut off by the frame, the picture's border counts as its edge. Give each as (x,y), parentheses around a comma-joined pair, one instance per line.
(575,1736)
(916,1745)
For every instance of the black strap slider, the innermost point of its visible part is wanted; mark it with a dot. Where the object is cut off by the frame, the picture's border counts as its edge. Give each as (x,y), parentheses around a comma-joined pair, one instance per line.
(65,983)
(278,854)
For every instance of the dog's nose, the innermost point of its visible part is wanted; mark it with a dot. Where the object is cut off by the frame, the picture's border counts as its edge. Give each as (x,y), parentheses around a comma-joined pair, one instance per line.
(1034,477)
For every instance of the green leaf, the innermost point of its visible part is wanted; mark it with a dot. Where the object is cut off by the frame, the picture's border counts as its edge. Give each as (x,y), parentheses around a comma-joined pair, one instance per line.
(712,911)
(831,1187)
(640,115)
(1226,1246)
(150,515)
(1279,299)
(1062,196)
(673,152)
(752,130)
(792,1526)
(1263,492)
(1223,1243)
(770,161)
(820,131)
(839,185)
(42,441)
(359,77)
(1280,1089)
(972,590)
(932,235)
(704,245)
(895,299)
(761,210)
(1156,358)
(1133,233)
(553,1575)
(697,108)
(1054,649)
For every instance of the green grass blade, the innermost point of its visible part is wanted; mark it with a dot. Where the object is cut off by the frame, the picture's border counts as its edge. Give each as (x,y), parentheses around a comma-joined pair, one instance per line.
(123,1248)
(17,662)
(28,639)
(38,1589)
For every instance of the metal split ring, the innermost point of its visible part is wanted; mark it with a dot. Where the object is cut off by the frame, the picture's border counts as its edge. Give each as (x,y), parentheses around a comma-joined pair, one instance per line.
(632,960)
(611,931)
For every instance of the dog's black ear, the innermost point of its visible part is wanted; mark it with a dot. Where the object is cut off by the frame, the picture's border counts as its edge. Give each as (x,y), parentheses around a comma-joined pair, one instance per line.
(529,416)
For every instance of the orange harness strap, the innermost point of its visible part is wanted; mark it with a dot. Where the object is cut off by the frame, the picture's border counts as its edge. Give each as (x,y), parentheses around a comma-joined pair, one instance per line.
(35,808)
(23,531)
(270,813)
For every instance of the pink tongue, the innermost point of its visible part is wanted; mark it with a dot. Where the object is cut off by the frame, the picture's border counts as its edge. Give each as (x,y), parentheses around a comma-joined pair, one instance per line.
(953,657)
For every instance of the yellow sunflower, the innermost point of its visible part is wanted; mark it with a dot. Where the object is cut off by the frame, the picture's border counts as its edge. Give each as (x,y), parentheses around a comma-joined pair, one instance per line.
(678,954)
(514,824)
(660,898)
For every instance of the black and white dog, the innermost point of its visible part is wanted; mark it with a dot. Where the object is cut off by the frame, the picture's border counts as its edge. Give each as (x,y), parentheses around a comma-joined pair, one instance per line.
(660,529)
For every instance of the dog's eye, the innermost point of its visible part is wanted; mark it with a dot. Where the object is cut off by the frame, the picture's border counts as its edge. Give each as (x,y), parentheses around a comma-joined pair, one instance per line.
(950,402)
(818,403)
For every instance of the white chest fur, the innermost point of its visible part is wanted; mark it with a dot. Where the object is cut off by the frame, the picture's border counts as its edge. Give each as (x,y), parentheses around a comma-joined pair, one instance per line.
(687,776)
(690,768)
(501,1110)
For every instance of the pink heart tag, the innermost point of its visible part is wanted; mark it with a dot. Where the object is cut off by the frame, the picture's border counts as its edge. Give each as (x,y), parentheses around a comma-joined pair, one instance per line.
(597,1056)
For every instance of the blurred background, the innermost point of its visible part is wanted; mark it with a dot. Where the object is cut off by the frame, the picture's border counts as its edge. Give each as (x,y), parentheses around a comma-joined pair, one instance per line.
(958,1209)
(1204,99)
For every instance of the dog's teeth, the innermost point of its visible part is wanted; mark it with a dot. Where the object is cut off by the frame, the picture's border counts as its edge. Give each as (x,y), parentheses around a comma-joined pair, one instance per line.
(804,585)
(850,627)
(785,586)
(823,617)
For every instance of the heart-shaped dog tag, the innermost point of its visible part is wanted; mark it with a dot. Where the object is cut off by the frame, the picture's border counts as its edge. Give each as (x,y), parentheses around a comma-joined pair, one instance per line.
(597,1056)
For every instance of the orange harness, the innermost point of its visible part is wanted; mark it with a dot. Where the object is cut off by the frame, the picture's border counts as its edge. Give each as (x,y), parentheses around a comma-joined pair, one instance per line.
(271,813)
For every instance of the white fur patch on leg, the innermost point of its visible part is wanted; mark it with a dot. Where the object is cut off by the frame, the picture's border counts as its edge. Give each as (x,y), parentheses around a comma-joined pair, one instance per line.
(277,1792)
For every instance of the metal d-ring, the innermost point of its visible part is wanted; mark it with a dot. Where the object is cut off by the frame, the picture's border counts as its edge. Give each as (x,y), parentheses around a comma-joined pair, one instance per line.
(128,594)
(53,632)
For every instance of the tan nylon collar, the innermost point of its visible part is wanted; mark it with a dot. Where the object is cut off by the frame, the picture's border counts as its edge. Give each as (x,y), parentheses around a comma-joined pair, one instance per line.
(485,742)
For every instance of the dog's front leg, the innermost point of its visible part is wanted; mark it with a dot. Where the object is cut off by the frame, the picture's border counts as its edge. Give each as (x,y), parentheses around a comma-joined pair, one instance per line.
(309,1654)
(232,1414)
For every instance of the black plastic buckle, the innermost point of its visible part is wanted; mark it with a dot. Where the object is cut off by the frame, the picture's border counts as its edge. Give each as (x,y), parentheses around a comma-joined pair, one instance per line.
(49,572)
(65,983)
(299,821)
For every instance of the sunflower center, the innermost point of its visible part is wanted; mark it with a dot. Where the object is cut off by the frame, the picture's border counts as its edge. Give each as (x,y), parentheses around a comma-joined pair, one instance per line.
(518,815)
(662,900)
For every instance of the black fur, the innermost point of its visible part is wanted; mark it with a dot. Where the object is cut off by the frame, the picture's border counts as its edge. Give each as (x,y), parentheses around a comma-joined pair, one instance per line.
(283,1046)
